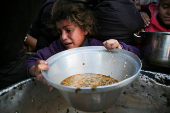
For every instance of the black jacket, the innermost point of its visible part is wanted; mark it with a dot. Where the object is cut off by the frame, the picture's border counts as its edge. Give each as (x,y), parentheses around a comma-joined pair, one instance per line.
(39,29)
(118,19)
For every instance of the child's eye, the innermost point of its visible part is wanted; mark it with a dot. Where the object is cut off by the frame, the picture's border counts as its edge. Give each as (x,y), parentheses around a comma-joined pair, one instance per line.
(165,6)
(68,31)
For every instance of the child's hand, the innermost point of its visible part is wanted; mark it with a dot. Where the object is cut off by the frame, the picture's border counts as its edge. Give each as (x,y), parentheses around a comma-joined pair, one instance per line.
(146,18)
(111,44)
(42,65)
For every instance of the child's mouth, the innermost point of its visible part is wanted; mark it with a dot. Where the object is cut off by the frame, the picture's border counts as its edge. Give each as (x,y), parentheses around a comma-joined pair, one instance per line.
(167,18)
(67,44)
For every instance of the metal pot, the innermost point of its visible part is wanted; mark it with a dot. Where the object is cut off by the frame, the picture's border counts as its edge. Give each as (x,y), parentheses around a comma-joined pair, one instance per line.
(120,64)
(155,48)
(144,95)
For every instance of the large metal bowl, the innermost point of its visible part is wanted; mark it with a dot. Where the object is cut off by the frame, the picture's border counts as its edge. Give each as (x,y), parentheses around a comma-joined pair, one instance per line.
(122,65)
(156,48)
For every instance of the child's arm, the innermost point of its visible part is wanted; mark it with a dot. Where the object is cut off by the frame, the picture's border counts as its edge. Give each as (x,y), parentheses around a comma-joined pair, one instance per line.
(35,70)
(112,44)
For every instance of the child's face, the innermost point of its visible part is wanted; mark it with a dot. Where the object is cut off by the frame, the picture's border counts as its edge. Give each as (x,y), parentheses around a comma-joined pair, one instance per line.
(164,11)
(71,35)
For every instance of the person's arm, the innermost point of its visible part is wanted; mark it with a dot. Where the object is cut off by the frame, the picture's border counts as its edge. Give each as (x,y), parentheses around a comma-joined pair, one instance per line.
(31,42)
(112,44)
(41,33)
(35,70)
(38,62)
(130,48)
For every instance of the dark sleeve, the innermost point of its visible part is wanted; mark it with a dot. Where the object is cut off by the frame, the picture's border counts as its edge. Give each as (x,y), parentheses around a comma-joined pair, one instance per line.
(117,19)
(45,53)
(30,30)
(40,31)
(133,49)
(130,48)
(38,56)
(15,21)
(42,54)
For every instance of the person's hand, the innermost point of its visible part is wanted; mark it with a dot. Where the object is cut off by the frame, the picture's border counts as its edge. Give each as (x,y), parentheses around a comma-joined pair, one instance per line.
(111,44)
(137,34)
(42,65)
(146,18)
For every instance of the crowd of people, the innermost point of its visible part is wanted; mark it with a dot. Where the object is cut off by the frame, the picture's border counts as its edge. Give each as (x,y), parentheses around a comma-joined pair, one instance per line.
(66,24)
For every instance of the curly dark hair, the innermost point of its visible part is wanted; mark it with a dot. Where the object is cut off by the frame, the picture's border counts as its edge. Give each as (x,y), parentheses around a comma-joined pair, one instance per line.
(77,13)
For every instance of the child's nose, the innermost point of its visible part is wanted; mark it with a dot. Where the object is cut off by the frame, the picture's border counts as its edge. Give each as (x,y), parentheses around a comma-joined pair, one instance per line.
(64,35)
(168,11)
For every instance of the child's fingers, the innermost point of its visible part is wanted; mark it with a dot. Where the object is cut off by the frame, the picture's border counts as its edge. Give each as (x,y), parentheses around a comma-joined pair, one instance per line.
(116,45)
(111,44)
(42,65)
(41,79)
(107,45)
(42,62)
(50,87)
(146,18)
(44,82)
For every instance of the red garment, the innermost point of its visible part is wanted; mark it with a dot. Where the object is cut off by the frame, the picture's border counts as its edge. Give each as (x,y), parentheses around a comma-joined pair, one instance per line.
(154,26)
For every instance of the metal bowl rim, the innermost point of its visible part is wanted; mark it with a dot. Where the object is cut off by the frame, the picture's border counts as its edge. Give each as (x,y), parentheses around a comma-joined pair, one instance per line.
(99,48)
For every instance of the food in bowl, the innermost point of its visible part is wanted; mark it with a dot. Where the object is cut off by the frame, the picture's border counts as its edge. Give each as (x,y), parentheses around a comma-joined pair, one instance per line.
(88,80)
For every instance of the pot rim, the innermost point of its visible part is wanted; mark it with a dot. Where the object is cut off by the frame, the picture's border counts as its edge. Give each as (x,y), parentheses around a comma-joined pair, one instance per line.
(164,33)
(122,83)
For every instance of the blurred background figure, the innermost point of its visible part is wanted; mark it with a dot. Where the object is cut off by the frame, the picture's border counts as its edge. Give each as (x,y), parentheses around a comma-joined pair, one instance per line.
(142,2)
(15,20)
(159,17)
(39,35)
(117,19)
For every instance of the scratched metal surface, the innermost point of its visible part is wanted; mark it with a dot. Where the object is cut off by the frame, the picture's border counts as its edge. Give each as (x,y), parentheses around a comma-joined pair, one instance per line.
(145,95)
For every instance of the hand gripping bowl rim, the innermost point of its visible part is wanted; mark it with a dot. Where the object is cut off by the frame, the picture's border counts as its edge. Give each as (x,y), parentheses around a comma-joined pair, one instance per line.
(88,89)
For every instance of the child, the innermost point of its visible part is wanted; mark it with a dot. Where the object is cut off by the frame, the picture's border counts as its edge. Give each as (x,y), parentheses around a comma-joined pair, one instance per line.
(76,26)
(160,17)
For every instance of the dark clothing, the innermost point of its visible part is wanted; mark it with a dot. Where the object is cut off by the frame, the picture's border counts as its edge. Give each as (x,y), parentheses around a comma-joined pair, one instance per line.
(16,19)
(39,29)
(14,71)
(57,47)
(118,19)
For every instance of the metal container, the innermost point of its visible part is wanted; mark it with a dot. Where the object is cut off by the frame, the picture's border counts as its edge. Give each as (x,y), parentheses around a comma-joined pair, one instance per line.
(156,48)
(122,65)
(144,95)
